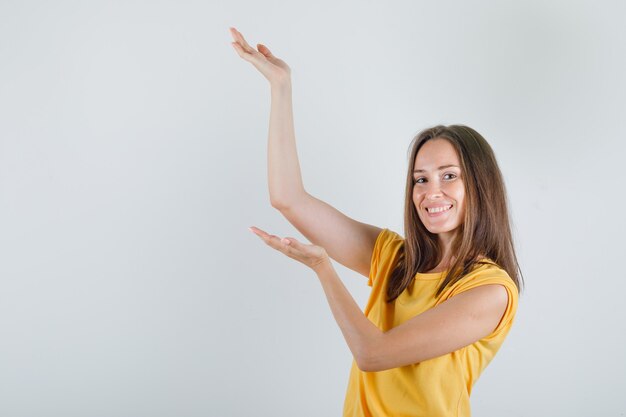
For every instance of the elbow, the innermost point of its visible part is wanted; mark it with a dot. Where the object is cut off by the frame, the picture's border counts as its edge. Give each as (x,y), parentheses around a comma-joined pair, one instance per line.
(376,356)
(373,365)
(366,362)
(367,365)
(286,201)
(275,203)
(279,205)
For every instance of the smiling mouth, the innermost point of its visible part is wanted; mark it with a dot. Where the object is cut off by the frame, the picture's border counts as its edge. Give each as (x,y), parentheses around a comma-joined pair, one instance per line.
(439,210)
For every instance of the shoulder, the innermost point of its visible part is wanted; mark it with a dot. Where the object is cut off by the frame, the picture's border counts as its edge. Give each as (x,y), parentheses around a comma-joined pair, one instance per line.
(387,243)
(387,235)
(490,283)
(483,274)
(386,248)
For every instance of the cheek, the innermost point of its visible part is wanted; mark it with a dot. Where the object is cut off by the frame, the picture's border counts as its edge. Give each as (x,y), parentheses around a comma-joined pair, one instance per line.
(460,198)
(462,211)
(458,192)
(417,195)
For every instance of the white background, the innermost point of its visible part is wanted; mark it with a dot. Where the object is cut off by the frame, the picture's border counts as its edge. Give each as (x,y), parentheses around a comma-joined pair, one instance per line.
(133,146)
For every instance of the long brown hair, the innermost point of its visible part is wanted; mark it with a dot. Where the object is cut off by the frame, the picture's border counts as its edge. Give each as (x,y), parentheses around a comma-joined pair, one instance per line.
(485,231)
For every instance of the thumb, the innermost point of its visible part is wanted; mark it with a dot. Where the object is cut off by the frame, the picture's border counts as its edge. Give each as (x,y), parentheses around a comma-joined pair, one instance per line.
(264,50)
(293,242)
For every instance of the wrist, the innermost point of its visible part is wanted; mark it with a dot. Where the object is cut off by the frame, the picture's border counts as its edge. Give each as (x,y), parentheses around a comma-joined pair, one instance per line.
(323,267)
(281,87)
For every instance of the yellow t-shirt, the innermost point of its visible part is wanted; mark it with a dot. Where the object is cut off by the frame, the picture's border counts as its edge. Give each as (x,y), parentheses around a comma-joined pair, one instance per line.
(436,387)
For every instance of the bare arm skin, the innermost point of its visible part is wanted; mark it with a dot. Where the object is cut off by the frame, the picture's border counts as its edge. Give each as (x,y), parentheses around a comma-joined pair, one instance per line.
(346,240)
(453,324)
(457,322)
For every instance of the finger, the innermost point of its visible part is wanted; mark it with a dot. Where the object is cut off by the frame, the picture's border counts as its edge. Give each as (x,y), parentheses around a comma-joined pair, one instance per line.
(284,244)
(287,246)
(268,54)
(238,48)
(254,57)
(271,240)
(243,43)
(264,50)
(276,243)
(243,54)
(238,40)
(258,232)
(293,248)
(239,44)
(291,241)
(290,247)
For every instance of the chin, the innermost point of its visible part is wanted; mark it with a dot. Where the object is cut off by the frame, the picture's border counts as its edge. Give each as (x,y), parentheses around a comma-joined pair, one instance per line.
(438,229)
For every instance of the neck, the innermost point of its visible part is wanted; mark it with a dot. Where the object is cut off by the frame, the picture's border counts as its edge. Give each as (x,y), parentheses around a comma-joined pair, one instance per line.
(445,242)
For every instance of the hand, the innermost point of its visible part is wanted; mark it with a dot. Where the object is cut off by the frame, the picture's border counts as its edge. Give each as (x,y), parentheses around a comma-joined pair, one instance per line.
(310,255)
(275,70)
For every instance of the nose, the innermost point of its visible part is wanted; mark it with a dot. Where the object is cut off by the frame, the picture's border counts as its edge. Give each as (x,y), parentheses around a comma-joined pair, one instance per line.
(433,192)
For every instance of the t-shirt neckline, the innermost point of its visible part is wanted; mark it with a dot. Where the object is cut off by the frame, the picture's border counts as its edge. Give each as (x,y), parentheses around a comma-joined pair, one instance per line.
(431,275)
(442,274)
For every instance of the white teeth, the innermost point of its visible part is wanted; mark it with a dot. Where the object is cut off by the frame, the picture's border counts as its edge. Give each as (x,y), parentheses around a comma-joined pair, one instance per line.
(439,209)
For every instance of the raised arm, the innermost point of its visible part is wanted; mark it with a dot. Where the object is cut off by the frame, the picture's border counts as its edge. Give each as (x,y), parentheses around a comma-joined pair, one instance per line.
(346,240)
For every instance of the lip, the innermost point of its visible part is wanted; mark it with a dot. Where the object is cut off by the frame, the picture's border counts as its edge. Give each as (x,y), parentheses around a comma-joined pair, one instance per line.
(438,205)
(441,213)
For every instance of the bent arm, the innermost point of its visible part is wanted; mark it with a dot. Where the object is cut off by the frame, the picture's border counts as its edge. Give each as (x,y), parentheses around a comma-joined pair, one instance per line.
(346,240)
(455,323)
(458,322)
(358,331)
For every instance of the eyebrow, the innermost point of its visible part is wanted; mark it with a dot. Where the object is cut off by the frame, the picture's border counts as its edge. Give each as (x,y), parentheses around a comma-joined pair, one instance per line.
(439,169)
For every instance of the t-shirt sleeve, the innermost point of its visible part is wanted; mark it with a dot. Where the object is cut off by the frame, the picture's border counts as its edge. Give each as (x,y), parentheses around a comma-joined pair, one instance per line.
(494,276)
(383,251)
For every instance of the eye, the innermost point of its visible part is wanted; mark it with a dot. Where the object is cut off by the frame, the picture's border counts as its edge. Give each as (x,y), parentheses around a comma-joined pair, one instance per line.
(418,180)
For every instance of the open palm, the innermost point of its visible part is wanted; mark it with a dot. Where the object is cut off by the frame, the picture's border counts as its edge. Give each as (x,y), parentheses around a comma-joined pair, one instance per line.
(272,68)
(311,255)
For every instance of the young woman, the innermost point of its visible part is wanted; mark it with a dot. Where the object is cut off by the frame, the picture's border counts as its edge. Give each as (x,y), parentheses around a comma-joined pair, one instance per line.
(443,299)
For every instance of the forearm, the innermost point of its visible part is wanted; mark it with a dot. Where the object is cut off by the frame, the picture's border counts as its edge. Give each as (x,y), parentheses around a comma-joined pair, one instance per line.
(360,333)
(284,176)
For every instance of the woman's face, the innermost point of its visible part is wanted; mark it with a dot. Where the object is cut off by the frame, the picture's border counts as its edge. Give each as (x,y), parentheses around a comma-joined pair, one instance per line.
(437,184)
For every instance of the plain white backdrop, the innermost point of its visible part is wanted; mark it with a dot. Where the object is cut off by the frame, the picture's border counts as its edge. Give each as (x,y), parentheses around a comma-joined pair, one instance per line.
(133,147)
